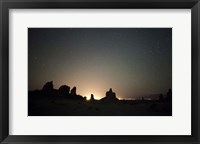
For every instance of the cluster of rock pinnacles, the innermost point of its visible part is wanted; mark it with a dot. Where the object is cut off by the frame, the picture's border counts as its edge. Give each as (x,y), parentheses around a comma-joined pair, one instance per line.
(64,90)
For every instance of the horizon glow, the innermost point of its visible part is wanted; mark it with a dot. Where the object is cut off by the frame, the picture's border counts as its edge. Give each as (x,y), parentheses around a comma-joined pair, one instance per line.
(131,61)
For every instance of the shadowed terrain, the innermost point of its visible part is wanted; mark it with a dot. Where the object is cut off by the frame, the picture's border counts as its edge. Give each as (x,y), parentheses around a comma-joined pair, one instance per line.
(65,102)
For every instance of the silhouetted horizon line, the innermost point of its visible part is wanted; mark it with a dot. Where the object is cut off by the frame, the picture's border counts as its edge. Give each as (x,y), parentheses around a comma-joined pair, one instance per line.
(65,88)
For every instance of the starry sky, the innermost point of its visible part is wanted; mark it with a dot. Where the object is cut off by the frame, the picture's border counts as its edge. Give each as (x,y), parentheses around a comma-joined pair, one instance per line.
(131,61)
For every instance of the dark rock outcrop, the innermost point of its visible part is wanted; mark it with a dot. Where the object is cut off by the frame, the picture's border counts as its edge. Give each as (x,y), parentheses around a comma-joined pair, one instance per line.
(110,96)
(73,91)
(47,89)
(85,98)
(92,98)
(64,90)
(48,86)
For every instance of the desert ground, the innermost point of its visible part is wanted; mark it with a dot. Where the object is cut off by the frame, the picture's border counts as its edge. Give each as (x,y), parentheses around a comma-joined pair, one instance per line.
(60,106)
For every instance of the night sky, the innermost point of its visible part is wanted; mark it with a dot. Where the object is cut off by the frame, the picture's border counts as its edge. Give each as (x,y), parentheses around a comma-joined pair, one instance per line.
(131,61)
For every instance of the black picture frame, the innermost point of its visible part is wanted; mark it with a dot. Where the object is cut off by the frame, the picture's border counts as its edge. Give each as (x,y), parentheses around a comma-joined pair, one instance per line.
(5,5)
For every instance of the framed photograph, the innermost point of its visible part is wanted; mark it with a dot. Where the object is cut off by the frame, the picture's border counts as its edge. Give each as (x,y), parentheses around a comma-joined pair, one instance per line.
(104,71)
